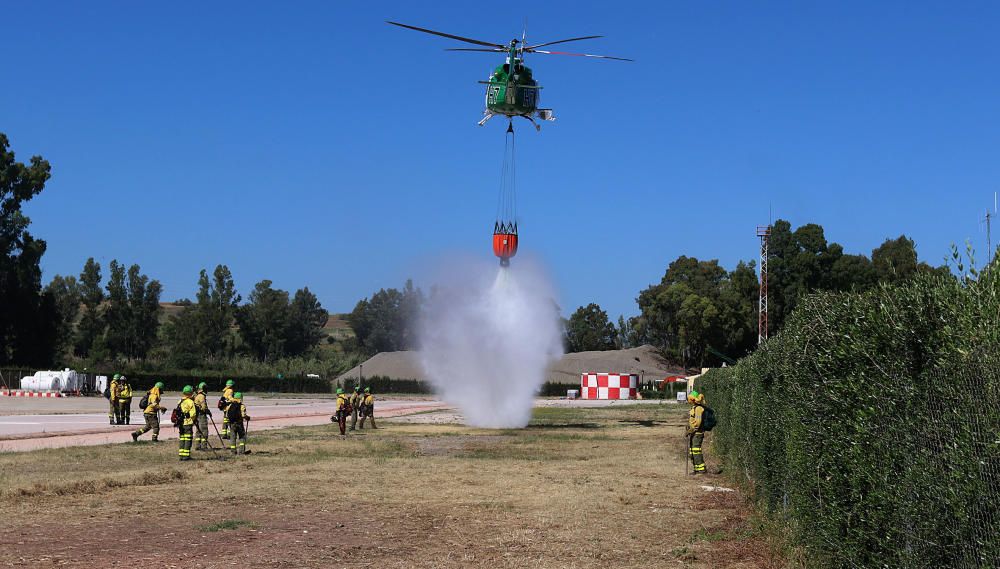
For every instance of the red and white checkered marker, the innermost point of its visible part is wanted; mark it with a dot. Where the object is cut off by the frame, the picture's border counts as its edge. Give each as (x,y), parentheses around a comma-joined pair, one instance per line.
(609,386)
(22,393)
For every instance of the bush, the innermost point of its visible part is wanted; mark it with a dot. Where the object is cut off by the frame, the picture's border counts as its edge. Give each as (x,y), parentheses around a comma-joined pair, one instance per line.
(654,394)
(870,424)
(554,389)
(380,384)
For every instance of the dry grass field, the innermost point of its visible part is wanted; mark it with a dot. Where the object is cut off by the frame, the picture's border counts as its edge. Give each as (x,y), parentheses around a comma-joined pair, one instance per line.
(577,488)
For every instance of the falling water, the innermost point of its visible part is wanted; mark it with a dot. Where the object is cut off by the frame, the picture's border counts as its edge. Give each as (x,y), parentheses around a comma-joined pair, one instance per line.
(487,338)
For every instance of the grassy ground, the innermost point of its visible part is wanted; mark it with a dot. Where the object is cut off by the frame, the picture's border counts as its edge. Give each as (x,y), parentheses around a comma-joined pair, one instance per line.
(578,488)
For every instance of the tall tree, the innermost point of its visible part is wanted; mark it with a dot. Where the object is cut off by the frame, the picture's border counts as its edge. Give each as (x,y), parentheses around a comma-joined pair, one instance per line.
(386,322)
(264,320)
(66,293)
(91,295)
(116,311)
(588,329)
(305,324)
(27,317)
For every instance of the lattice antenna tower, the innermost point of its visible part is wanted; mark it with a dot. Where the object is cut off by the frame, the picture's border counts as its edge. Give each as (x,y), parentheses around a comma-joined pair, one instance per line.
(988,220)
(764,233)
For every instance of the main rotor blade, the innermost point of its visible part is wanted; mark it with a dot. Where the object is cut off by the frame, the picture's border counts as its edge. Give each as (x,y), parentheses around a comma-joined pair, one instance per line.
(577,54)
(442,34)
(494,50)
(562,41)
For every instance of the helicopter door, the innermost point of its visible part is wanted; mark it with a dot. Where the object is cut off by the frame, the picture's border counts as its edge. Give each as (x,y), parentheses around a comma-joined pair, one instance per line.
(528,96)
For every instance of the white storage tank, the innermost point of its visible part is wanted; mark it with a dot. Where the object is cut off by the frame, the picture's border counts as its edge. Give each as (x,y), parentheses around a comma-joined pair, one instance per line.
(66,380)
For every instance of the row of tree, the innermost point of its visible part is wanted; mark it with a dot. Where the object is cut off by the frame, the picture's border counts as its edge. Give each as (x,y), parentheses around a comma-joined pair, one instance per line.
(700,313)
(122,320)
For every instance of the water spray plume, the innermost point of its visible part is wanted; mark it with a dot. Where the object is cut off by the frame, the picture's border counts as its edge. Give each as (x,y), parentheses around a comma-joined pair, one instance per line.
(487,339)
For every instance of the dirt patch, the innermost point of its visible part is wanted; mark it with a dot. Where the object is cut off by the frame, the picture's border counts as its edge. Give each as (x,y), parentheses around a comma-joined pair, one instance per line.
(581,488)
(457,444)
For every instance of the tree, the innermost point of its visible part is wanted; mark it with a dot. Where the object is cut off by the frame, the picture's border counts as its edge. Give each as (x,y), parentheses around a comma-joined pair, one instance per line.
(116,312)
(626,335)
(588,329)
(264,321)
(66,293)
(28,333)
(306,322)
(895,259)
(131,315)
(144,313)
(387,321)
(91,295)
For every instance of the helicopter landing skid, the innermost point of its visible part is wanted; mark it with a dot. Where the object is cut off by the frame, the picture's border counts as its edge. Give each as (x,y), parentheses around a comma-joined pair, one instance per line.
(487,116)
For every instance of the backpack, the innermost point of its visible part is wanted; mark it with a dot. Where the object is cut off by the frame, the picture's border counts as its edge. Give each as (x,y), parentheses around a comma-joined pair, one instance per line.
(708,419)
(144,402)
(234,413)
(222,403)
(107,393)
(177,416)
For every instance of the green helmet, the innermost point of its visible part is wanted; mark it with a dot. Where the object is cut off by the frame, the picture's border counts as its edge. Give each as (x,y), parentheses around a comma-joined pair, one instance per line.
(357,388)
(238,395)
(340,391)
(694,393)
(159,385)
(368,390)
(202,386)
(230,383)
(117,376)
(188,390)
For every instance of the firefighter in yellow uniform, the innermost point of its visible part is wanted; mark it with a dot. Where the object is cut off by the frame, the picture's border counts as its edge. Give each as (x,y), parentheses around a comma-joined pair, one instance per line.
(113,399)
(188,415)
(355,400)
(201,425)
(695,432)
(237,413)
(227,396)
(152,412)
(368,408)
(124,401)
(341,411)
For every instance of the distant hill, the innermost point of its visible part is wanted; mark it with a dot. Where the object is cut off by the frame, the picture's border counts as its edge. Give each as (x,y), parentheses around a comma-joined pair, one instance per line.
(336,324)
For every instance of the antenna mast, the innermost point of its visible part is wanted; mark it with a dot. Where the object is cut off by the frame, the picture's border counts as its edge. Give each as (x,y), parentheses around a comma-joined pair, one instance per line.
(989,238)
(764,232)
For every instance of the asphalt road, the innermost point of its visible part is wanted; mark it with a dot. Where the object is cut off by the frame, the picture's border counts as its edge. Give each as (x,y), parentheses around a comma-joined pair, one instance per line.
(57,428)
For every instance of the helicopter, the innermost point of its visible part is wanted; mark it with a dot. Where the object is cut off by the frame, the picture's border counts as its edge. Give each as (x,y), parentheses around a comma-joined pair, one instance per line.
(511,90)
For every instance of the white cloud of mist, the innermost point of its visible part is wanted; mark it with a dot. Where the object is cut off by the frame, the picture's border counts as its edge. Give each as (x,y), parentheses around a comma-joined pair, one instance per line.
(487,337)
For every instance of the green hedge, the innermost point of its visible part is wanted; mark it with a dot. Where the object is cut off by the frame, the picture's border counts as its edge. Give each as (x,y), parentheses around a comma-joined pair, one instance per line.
(143,381)
(380,384)
(872,425)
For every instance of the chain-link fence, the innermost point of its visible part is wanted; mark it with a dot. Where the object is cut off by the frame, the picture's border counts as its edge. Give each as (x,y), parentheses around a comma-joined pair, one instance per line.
(871,424)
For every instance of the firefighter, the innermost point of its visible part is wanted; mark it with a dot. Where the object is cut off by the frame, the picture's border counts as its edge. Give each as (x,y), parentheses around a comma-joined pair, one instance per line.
(340,415)
(201,425)
(237,414)
(227,397)
(368,408)
(113,399)
(186,427)
(152,412)
(695,432)
(124,401)
(355,401)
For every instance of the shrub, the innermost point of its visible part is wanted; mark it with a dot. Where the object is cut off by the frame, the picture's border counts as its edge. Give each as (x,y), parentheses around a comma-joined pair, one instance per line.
(870,424)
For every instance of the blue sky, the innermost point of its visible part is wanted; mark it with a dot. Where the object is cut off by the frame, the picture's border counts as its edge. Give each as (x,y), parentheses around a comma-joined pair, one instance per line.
(312,144)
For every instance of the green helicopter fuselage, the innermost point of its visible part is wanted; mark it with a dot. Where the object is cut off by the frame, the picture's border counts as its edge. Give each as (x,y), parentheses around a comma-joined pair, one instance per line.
(511,90)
